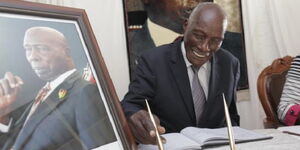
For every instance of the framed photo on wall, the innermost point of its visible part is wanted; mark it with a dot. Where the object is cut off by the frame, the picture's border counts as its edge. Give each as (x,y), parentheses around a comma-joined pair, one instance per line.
(51,47)
(151,24)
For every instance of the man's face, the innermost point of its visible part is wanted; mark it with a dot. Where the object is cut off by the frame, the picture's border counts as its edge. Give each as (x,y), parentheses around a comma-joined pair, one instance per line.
(203,36)
(45,54)
(171,13)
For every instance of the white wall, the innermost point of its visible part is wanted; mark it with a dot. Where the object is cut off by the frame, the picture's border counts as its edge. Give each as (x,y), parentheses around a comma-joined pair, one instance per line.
(107,20)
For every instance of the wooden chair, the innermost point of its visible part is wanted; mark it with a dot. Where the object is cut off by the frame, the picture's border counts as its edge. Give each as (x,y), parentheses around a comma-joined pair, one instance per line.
(270,83)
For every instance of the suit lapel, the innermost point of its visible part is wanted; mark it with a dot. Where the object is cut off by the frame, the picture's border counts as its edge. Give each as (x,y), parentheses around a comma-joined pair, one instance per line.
(44,109)
(180,75)
(214,82)
(24,115)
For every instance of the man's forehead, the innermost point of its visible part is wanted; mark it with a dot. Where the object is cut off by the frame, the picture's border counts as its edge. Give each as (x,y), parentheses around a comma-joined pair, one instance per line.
(208,13)
(37,37)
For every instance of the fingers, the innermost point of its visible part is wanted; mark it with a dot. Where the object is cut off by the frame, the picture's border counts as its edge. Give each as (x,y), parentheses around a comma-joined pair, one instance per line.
(161,129)
(140,126)
(9,87)
(9,84)
(14,81)
(138,134)
(139,119)
(149,126)
(11,80)
(19,81)
(143,128)
(6,87)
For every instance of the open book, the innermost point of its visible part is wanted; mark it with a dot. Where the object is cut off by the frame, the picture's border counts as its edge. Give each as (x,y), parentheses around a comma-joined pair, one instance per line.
(196,138)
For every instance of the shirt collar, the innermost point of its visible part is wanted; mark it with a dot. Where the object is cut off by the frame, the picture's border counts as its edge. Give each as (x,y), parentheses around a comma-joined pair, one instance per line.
(187,62)
(61,78)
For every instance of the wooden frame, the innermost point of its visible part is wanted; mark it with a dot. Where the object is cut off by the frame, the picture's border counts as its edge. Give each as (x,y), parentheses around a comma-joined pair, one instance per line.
(34,14)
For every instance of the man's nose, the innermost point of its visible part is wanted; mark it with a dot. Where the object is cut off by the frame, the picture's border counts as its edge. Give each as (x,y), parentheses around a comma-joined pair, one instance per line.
(204,46)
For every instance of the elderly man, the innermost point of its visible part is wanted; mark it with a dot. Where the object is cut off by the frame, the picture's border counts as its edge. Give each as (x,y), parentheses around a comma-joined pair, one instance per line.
(169,14)
(68,112)
(184,81)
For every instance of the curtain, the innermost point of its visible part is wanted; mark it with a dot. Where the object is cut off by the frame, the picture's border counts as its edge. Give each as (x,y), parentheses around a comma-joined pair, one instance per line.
(271,29)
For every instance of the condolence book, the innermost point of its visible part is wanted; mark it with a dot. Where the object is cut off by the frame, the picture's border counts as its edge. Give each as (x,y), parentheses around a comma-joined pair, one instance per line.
(197,138)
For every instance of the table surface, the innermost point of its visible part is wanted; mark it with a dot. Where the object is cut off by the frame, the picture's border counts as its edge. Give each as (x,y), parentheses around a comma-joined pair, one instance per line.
(280,141)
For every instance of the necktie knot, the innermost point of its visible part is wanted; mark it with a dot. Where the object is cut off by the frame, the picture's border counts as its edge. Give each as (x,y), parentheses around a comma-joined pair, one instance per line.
(42,93)
(195,69)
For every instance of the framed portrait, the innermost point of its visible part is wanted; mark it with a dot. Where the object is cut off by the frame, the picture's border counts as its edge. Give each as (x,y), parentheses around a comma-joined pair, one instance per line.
(146,28)
(51,47)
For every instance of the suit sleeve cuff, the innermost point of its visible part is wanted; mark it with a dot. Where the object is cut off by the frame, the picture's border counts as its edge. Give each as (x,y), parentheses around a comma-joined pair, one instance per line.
(292,115)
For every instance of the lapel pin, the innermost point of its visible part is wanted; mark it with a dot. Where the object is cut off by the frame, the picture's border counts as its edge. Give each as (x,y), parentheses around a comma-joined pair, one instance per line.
(62,93)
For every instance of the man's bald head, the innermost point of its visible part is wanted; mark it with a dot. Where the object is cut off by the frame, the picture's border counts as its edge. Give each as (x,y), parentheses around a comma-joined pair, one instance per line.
(48,34)
(209,12)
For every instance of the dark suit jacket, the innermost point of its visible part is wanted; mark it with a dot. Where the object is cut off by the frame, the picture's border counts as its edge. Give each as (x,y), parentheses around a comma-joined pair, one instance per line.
(162,78)
(76,121)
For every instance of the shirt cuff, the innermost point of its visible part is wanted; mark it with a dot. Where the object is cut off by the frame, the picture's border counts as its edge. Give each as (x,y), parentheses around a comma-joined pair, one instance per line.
(5,128)
(292,115)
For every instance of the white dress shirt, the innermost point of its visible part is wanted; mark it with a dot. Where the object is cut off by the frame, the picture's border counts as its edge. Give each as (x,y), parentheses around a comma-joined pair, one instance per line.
(203,74)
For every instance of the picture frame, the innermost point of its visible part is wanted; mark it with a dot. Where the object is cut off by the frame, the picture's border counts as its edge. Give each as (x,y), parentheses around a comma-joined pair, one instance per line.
(139,27)
(18,16)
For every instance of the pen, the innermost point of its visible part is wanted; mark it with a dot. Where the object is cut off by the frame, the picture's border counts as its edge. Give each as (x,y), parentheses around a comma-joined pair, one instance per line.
(229,126)
(292,133)
(160,145)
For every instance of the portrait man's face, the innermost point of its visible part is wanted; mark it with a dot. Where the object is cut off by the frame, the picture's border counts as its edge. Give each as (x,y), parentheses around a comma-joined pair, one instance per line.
(170,14)
(47,53)
(203,36)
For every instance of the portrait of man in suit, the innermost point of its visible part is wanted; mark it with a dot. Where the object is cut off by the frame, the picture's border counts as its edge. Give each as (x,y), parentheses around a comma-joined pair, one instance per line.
(67,113)
(184,81)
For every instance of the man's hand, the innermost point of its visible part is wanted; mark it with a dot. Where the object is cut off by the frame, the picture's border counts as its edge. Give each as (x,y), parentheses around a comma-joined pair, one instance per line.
(9,87)
(143,129)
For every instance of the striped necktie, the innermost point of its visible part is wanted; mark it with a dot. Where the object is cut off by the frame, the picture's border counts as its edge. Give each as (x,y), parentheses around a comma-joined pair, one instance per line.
(39,99)
(198,95)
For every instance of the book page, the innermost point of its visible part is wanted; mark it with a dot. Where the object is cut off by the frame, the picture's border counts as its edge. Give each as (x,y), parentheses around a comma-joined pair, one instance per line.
(175,141)
(205,136)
